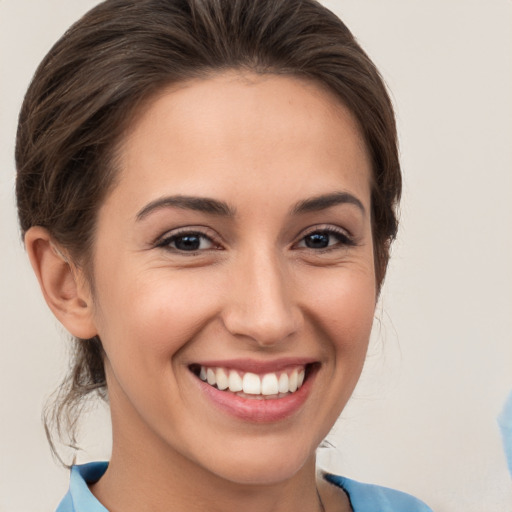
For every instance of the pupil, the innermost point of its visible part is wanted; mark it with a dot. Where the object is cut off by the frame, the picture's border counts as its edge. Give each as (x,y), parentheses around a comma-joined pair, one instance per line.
(317,241)
(188,243)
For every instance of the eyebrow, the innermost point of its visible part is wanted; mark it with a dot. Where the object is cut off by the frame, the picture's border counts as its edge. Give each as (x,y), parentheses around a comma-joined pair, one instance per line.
(220,208)
(325,201)
(199,204)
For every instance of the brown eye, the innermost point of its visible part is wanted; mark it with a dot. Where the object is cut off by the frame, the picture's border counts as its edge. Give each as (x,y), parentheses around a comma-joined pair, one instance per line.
(317,240)
(326,239)
(187,242)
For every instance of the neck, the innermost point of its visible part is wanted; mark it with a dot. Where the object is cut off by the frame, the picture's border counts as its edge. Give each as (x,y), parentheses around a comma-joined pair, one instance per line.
(131,485)
(152,476)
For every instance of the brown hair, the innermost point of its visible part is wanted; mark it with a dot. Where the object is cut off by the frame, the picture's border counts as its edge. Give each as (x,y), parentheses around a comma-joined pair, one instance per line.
(92,82)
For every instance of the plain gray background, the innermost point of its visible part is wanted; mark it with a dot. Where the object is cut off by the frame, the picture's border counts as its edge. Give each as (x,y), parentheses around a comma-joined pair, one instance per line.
(423,418)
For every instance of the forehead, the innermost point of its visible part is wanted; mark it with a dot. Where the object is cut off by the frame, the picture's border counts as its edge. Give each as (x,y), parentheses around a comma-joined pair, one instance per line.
(238,128)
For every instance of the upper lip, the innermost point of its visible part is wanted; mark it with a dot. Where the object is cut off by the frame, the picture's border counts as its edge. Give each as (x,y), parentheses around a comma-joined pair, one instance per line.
(257,366)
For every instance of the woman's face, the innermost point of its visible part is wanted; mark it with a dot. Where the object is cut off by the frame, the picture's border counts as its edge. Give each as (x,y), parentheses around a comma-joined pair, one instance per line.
(236,248)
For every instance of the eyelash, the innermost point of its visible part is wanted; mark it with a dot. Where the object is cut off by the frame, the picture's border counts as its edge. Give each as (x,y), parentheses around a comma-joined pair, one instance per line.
(343,240)
(182,233)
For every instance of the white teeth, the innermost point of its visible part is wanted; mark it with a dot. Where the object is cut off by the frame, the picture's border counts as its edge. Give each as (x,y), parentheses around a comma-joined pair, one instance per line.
(283,383)
(222,379)
(269,384)
(293,382)
(300,378)
(235,382)
(210,377)
(251,384)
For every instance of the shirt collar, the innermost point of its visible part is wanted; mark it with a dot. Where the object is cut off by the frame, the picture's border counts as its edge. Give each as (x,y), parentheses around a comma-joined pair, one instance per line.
(82,498)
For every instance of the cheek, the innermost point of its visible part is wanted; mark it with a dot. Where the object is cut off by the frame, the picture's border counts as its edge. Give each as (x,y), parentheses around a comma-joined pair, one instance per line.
(153,315)
(345,307)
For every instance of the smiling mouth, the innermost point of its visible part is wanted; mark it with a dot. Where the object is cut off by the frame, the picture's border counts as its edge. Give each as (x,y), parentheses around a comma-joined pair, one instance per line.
(270,385)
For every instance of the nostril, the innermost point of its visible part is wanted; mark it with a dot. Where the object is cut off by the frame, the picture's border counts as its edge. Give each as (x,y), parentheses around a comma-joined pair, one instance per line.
(265,329)
(261,307)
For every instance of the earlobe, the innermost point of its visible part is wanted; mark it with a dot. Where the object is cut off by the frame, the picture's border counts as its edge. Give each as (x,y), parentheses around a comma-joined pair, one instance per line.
(64,287)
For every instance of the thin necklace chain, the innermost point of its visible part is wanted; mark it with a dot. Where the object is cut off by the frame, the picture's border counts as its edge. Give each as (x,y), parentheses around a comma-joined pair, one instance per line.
(322,508)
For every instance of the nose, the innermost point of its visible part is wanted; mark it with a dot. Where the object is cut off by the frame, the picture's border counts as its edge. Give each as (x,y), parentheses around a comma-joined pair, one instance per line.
(261,301)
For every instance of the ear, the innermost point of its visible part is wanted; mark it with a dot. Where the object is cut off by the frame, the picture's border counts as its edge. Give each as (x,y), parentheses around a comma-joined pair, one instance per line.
(64,286)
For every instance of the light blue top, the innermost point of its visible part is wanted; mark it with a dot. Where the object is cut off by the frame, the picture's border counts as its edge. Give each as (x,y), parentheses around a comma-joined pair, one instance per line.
(363,497)
(505,423)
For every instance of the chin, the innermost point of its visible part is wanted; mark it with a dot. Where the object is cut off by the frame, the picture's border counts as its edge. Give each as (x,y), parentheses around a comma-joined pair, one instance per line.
(263,466)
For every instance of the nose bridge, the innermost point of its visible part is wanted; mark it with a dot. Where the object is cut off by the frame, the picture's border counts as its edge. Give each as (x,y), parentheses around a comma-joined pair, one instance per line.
(261,303)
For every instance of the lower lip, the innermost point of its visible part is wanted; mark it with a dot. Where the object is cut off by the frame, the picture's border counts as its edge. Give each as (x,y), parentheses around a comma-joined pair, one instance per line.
(258,410)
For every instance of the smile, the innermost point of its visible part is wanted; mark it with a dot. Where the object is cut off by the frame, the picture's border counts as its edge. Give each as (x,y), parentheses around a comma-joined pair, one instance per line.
(256,391)
(269,385)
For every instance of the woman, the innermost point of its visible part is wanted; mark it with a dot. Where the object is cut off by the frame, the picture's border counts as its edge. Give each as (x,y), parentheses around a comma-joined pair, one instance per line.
(207,192)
